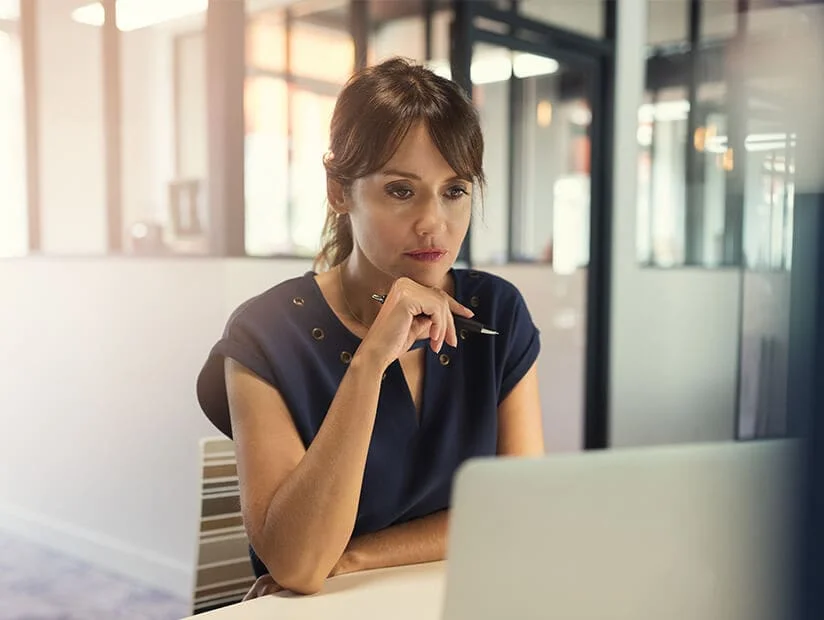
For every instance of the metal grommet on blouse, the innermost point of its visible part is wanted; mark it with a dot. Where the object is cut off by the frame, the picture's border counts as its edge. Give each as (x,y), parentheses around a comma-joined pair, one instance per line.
(463,334)
(345,357)
(443,358)
(318,334)
(474,301)
(298,301)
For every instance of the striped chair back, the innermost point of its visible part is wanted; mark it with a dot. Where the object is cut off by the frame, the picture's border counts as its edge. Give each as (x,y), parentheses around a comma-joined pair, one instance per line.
(224,571)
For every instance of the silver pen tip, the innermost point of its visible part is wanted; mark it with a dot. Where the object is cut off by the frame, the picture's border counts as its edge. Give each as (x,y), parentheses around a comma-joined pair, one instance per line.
(489,332)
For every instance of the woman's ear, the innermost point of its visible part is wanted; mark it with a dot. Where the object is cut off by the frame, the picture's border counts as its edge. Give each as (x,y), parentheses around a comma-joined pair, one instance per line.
(336,195)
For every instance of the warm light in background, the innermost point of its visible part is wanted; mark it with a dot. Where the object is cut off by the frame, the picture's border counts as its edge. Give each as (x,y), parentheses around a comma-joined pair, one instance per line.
(727,160)
(544,113)
(699,138)
(135,14)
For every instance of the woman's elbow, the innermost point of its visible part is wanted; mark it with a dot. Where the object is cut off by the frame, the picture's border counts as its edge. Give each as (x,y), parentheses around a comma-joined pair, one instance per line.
(297,576)
(304,586)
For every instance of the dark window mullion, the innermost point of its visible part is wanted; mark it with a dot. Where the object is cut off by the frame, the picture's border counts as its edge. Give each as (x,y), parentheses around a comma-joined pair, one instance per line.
(693,207)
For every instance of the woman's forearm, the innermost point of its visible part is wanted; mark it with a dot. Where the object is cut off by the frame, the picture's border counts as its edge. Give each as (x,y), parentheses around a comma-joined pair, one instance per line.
(310,519)
(414,542)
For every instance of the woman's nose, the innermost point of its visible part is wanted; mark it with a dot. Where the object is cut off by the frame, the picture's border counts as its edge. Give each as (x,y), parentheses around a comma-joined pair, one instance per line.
(431,218)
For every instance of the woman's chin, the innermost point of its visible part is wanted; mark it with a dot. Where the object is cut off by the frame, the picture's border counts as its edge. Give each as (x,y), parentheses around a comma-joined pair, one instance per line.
(430,275)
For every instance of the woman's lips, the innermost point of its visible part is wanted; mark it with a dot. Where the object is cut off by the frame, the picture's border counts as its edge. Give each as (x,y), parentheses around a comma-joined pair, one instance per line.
(427,256)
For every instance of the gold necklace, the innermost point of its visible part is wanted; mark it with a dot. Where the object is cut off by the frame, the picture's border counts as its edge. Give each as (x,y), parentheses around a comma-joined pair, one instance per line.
(346,300)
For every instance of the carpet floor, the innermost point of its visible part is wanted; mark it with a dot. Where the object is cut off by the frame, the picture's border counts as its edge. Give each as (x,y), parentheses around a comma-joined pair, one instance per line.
(37,583)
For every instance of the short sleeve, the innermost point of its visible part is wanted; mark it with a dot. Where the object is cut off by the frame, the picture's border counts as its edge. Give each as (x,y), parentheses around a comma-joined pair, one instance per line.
(522,347)
(241,342)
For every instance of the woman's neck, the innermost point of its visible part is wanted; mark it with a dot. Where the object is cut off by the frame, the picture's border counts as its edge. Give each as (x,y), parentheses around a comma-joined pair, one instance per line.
(359,280)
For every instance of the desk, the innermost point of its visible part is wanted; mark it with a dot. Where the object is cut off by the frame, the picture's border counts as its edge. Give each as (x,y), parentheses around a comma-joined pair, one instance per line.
(403,593)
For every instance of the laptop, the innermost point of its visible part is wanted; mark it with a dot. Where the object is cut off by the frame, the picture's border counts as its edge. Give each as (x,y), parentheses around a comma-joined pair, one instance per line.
(697,532)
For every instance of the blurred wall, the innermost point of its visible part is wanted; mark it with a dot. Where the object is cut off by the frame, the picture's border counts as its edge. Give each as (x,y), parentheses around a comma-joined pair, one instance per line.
(99,417)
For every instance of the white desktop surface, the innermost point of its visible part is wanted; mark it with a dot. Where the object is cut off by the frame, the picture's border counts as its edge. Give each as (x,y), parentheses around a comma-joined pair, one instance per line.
(403,593)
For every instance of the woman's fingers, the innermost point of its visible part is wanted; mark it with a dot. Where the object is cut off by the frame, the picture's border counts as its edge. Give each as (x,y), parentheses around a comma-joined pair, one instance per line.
(439,306)
(264,586)
(460,309)
(448,334)
(452,332)
(434,306)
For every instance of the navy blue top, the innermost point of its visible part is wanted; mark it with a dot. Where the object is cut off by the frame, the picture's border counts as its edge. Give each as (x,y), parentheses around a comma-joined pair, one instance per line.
(291,338)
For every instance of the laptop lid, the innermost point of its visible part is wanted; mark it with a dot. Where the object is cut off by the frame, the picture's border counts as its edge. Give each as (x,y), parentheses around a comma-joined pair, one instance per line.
(693,532)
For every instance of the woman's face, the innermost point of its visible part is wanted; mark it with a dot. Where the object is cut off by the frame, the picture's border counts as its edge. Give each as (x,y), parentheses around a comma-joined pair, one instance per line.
(410,218)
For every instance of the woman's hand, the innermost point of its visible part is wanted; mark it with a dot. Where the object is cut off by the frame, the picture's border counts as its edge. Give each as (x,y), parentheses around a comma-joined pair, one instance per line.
(411,312)
(264,586)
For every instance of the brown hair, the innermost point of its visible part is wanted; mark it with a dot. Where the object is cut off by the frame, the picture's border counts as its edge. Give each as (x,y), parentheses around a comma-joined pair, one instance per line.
(373,113)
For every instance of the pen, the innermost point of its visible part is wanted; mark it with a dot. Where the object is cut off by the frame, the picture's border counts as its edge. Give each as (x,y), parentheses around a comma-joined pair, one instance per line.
(461,323)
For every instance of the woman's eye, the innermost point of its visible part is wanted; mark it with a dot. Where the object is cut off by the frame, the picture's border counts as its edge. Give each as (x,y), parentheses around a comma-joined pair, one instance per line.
(401,193)
(456,192)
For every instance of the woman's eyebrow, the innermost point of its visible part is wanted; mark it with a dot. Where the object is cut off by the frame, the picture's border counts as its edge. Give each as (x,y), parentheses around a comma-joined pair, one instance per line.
(391,172)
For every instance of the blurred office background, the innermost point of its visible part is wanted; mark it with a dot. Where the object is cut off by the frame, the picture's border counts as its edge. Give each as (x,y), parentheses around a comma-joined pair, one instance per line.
(160,162)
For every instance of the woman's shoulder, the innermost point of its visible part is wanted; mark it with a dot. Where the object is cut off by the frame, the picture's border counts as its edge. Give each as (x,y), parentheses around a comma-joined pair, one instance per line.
(269,307)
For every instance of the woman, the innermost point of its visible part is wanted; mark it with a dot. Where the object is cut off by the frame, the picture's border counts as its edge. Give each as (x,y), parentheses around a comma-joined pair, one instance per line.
(350,417)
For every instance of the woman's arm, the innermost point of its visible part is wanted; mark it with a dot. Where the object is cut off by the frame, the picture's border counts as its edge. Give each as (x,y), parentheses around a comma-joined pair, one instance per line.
(424,540)
(520,428)
(414,542)
(299,506)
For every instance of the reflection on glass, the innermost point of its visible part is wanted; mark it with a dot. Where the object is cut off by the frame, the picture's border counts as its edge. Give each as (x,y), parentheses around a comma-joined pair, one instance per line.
(490,227)
(550,215)
(72,142)
(266,164)
(582,16)
(266,42)
(765,320)
(769,198)
(712,154)
(296,65)
(313,113)
(662,128)
(164,131)
(13,207)
(664,233)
